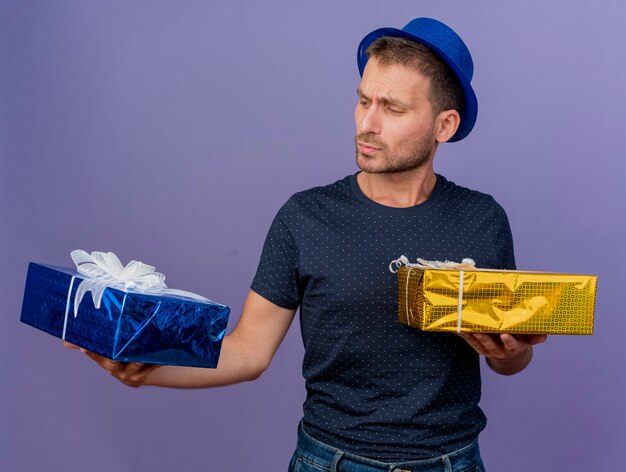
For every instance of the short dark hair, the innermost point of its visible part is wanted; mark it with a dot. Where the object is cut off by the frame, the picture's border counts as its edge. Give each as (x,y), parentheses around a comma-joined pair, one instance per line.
(445,92)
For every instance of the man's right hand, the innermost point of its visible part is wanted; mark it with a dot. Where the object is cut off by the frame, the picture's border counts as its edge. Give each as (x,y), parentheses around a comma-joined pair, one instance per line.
(133,374)
(245,355)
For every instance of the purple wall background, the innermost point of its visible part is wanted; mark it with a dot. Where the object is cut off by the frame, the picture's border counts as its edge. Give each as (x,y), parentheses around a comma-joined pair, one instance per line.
(172,132)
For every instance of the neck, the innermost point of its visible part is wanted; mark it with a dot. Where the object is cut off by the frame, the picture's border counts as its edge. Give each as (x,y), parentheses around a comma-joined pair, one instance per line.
(399,190)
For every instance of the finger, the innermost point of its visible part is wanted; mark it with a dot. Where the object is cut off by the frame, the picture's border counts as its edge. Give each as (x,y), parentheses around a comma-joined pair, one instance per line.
(530,339)
(537,338)
(132,368)
(510,343)
(100,360)
(70,345)
(490,344)
(114,367)
(474,343)
(132,374)
(135,373)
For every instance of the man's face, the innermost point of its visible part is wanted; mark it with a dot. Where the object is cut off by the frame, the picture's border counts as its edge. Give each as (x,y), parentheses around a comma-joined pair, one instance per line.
(395,128)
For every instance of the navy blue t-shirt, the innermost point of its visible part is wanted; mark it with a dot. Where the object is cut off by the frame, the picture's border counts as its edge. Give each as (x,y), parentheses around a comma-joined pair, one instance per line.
(376,387)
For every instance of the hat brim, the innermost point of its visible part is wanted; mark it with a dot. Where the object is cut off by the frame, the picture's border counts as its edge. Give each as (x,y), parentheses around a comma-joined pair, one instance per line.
(470,106)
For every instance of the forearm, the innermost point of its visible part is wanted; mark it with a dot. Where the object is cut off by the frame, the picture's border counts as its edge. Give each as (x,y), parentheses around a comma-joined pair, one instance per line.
(245,353)
(511,366)
(237,363)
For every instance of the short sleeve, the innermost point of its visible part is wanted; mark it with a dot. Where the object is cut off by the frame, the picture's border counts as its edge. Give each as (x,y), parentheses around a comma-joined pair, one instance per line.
(276,277)
(504,242)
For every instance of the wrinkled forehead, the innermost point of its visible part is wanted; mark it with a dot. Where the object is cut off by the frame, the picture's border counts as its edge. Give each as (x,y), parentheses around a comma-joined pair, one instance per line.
(393,81)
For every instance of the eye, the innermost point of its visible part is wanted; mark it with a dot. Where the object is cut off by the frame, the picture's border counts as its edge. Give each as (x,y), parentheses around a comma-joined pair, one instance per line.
(363,102)
(395,110)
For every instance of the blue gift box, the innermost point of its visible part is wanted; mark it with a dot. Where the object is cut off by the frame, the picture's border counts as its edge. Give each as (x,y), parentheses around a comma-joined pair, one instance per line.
(129,326)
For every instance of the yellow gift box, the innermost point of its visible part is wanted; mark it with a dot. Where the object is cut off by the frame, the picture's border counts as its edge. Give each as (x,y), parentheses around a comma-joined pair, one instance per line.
(496,301)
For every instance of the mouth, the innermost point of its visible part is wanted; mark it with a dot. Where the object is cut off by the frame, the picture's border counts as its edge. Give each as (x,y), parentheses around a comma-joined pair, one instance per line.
(366,148)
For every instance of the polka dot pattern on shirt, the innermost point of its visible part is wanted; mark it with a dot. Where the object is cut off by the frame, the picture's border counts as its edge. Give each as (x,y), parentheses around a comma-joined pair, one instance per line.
(376,387)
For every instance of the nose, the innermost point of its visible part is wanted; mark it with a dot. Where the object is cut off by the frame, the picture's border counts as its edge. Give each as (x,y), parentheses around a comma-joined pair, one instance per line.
(368,120)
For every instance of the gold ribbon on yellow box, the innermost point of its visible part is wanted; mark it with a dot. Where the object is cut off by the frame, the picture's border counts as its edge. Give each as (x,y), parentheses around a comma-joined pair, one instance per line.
(449,297)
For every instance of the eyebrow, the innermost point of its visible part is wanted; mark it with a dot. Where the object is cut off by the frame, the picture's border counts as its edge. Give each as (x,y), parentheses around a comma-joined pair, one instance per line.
(385,100)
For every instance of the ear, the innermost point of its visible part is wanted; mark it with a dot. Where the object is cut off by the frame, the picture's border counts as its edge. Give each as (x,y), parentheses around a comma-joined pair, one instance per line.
(446,124)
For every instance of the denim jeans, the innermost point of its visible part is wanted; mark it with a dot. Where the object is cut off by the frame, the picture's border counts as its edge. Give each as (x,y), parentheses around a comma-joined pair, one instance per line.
(312,455)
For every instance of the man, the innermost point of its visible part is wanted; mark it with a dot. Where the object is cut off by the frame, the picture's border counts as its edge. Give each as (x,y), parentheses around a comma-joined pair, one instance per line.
(381,395)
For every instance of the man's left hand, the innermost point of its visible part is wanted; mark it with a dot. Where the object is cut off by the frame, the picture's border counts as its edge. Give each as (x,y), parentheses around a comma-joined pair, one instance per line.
(506,354)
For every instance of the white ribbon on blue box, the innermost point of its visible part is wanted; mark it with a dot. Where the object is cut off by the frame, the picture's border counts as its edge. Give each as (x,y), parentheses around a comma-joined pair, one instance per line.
(133,317)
